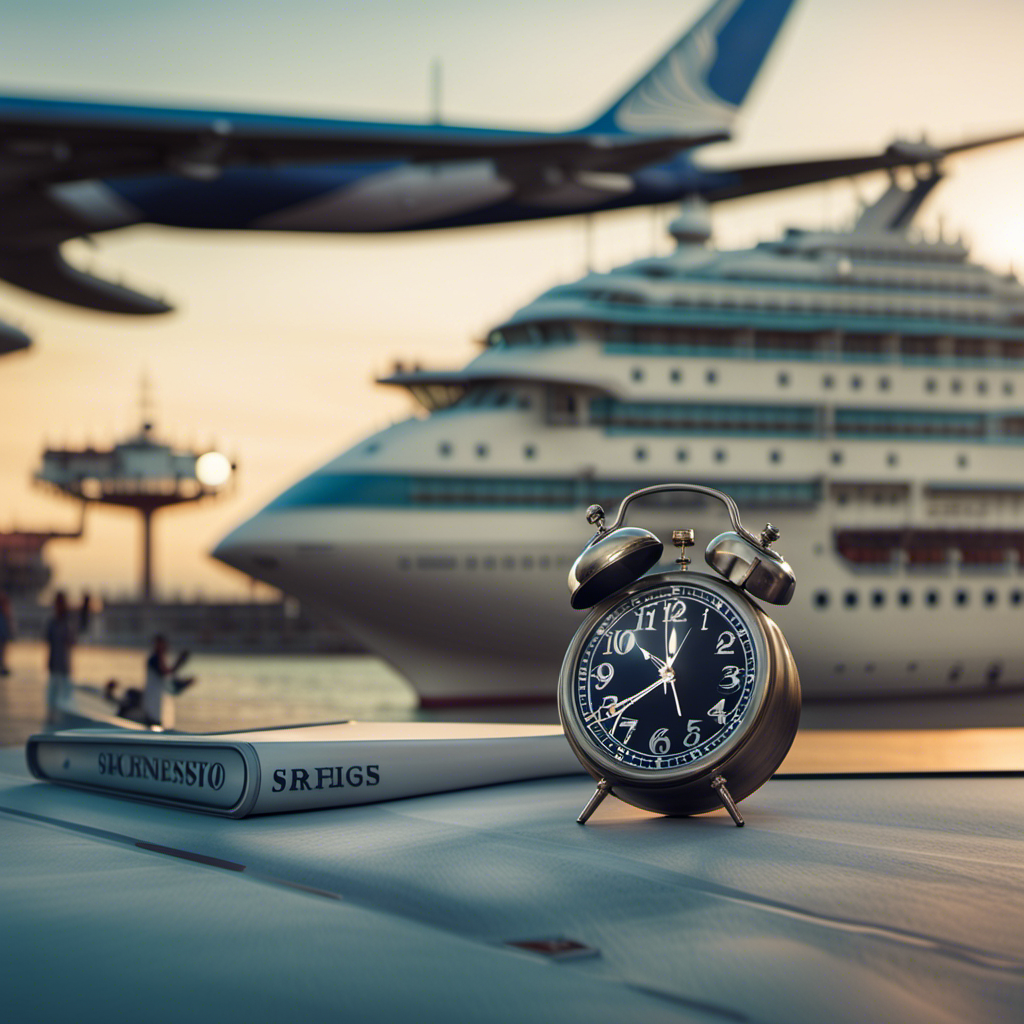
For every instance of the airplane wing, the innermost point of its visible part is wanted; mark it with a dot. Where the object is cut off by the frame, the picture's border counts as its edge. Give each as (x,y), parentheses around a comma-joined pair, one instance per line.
(50,141)
(746,181)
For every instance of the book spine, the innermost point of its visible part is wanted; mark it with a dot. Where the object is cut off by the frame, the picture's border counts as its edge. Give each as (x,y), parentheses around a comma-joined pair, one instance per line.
(218,778)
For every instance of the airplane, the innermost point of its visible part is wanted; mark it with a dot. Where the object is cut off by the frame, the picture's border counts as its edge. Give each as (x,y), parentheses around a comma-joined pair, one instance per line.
(70,168)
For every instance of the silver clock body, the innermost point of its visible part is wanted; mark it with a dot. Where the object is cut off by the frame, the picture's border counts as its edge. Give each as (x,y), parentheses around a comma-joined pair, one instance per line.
(679,758)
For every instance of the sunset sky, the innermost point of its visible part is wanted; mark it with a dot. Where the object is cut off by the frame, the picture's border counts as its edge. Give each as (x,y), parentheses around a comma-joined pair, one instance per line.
(276,340)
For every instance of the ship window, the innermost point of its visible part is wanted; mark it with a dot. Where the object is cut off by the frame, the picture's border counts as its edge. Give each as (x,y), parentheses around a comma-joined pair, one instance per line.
(640,454)
(955,385)
(990,597)
(720,455)
(982,387)
(931,598)
(508,562)
(828,381)
(529,451)
(637,373)
(676,376)
(444,448)
(884,383)
(524,401)
(850,599)
(878,598)
(1015,597)
(906,597)
(501,399)
(783,380)
(821,599)
(471,562)
(527,561)
(892,458)
(405,562)
(775,455)
(481,451)
(930,384)
(961,461)
(490,562)
(681,454)
(711,376)
(961,597)
(371,448)
(837,457)
(1008,387)
(855,383)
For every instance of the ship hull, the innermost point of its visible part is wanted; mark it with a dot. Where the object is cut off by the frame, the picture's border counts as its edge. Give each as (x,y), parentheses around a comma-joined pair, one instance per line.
(473,607)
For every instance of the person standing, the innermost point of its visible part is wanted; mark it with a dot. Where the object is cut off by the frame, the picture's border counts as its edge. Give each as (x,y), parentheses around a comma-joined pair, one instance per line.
(6,632)
(162,684)
(60,637)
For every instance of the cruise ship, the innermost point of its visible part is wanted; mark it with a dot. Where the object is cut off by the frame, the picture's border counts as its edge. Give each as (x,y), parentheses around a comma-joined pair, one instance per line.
(862,389)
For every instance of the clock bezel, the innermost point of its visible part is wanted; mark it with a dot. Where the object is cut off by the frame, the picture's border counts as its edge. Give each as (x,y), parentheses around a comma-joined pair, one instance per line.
(597,754)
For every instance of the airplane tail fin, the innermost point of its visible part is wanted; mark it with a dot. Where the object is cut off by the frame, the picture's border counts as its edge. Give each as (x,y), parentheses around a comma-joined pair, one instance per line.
(700,83)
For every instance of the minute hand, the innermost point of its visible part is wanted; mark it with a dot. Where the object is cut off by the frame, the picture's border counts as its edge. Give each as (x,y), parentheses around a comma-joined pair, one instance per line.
(617,709)
(672,660)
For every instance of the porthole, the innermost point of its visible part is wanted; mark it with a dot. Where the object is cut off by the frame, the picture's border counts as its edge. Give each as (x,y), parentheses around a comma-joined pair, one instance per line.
(640,454)
(828,381)
(489,563)
(931,598)
(930,384)
(676,376)
(855,383)
(1007,387)
(529,451)
(682,455)
(783,379)
(821,599)
(527,561)
(961,461)
(481,451)
(720,455)
(878,598)
(891,459)
(911,666)
(884,383)
(906,598)
(471,562)
(775,455)
(444,448)
(1015,597)
(837,457)
(956,385)
(962,598)
(991,597)
(637,374)
(982,387)
(850,599)
(544,562)
(711,376)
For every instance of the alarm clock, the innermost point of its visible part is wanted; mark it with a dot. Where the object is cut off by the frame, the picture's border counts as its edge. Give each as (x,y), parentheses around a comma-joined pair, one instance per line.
(678,693)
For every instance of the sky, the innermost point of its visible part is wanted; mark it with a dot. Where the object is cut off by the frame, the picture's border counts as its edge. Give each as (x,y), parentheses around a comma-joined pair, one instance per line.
(276,341)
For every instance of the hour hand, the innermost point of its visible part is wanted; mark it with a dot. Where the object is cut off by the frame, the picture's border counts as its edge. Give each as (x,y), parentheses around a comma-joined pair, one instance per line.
(650,657)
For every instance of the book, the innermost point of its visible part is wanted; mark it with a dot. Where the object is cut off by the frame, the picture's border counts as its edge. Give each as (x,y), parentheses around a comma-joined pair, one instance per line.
(268,771)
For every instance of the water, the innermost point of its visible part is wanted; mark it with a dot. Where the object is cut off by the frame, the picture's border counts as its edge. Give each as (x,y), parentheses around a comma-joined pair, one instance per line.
(239,691)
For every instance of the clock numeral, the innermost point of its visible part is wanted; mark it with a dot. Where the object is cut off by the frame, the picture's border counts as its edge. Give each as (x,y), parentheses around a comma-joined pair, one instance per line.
(725,641)
(675,611)
(619,641)
(704,621)
(692,737)
(730,681)
(660,743)
(646,614)
(718,712)
(604,673)
(629,723)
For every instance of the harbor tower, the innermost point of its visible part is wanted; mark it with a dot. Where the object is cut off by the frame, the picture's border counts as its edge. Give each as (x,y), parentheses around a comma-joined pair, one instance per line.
(141,473)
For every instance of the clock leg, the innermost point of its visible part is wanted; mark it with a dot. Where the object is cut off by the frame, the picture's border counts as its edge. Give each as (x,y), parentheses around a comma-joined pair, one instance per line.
(603,789)
(718,785)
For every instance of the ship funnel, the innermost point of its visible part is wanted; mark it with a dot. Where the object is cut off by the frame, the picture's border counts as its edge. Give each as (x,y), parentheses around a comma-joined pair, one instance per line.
(692,225)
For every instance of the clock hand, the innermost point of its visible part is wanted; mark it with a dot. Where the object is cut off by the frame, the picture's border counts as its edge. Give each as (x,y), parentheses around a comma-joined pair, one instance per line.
(617,709)
(672,660)
(650,657)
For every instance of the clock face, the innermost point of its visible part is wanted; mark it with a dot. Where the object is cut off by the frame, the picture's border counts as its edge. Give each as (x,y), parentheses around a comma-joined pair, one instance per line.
(669,677)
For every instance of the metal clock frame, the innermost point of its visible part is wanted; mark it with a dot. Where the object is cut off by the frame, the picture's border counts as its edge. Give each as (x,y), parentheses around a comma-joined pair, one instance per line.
(745,761)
